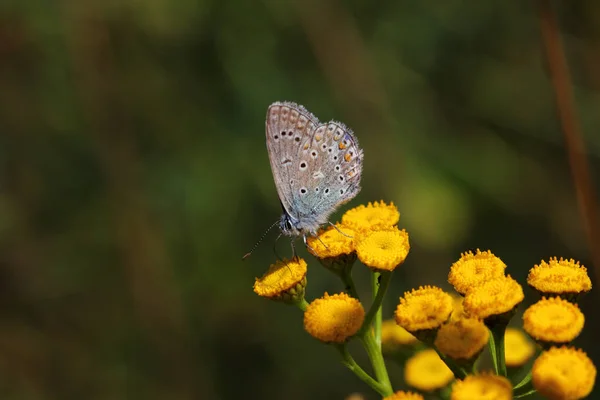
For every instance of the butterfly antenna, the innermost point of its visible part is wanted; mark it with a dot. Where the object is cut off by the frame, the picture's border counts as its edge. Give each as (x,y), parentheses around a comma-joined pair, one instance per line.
(260,240)
(275,247)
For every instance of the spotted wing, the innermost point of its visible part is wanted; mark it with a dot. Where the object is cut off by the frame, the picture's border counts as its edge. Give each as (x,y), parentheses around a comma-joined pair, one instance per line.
(332,175)
(288,127)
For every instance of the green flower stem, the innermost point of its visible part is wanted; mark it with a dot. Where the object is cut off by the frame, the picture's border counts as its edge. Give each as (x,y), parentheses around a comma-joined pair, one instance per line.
(302,304)
(349,362)
(372,338)
(459,373)
(532,391)
(496,345)
(375,287)
(374,352)
(346,276)
(375,310)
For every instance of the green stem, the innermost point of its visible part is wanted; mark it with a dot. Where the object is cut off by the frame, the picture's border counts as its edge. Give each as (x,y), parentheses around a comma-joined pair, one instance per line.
(349,362)
(375,309)
(349,282)
(532,391)
(375,287)
(374,352)
(496,345)
(302,304)
(459,373)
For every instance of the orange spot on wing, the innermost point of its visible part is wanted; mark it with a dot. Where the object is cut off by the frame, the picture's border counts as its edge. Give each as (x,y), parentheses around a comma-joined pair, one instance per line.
(342,146)
(347,157)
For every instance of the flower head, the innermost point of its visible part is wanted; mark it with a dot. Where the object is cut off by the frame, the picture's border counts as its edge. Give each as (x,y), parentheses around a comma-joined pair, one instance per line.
(393,336)
(494,297)
(426,371)
(518,349)
(374,215)
(553,320)
(462,339)
(559,277)
(402,395)
(333,319)
(383,249)
(332,242)
(563,373)
(285,280)
(483,386)
(422,309)
(471,270)
(458,311)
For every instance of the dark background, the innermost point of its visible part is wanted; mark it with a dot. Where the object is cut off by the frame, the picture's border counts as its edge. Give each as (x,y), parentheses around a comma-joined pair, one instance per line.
(134,176)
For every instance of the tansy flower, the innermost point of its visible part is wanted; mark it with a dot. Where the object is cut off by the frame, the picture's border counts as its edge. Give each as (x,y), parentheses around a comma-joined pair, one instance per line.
(393,336)
(332,242)
(553,320)
(334,247)
(517,348)
(423,310)
(383,249)
(285,280)
(402,395)
(374,215)
(472,270)
(559,277)
(493,298)
(462,340)
(563,374)
(426,371)
(483,386)
(458,311)
(333,319)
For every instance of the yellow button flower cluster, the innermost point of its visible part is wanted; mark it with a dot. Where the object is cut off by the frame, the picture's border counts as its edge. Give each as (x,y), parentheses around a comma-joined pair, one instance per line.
(438,336)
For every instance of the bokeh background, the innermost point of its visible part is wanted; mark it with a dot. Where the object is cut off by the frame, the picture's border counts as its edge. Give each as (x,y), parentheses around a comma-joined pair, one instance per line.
(134,176)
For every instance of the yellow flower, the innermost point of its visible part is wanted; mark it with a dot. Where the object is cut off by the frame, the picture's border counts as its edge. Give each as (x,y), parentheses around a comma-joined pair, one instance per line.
(374,215)
(333,319)
(426,371)
(458,311)
(483,386)
(402,395)
(393,336)
(332,242)
(553,320)
(563,374)
(471,270)
(517,348)
(494,297)
(383,249)
(559,277)
(462,339)
(426,308)
(285,280)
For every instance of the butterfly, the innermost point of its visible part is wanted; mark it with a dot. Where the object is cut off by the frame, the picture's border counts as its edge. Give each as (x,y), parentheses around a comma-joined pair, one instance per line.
(316,167)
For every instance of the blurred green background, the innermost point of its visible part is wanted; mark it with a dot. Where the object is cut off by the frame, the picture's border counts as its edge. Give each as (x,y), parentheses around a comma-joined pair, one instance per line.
(134,176)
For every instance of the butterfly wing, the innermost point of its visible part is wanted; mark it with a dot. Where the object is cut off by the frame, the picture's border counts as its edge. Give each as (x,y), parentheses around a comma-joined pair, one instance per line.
(288,127)
(316,167)
(333,174)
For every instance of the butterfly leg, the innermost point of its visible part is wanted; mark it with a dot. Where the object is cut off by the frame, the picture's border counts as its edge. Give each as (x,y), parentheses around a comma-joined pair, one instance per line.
(293,243)
(338,229)
(313,251)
